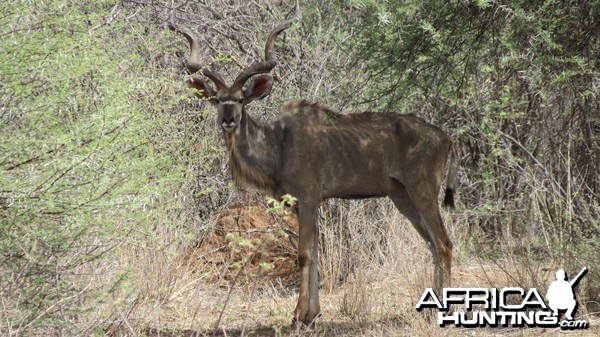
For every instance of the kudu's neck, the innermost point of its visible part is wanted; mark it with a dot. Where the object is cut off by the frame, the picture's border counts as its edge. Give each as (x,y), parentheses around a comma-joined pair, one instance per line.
(252,154)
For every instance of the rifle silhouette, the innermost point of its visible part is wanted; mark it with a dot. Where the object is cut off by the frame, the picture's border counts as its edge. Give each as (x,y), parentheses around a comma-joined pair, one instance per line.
(576,278)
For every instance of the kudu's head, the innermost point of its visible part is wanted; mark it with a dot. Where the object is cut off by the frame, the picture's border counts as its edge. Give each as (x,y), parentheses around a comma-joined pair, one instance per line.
(230,100)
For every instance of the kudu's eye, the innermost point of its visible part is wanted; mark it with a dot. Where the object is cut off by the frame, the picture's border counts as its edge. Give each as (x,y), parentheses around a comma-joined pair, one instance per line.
(241,100)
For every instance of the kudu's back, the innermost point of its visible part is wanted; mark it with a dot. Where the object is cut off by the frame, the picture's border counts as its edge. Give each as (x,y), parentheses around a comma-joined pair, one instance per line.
(357,155)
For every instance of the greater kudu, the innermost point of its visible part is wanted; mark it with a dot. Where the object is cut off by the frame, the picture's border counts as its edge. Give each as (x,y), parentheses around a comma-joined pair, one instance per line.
(314,153)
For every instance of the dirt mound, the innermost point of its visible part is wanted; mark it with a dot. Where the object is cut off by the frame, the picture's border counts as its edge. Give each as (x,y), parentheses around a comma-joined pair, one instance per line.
(250,237)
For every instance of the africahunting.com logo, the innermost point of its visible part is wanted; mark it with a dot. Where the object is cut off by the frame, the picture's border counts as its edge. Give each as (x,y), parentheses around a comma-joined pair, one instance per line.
(516,307)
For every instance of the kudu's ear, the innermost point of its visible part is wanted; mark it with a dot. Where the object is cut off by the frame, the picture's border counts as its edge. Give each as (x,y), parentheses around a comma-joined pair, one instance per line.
(203,89)
(259,88)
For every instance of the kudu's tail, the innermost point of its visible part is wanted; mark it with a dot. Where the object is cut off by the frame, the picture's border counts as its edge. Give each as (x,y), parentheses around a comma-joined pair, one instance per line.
(451,180)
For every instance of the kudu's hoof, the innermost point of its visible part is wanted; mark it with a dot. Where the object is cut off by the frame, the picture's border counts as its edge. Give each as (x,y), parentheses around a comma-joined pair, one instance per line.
(305,324)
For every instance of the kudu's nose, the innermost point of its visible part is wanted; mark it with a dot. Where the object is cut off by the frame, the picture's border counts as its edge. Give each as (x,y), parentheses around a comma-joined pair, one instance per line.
(228,121)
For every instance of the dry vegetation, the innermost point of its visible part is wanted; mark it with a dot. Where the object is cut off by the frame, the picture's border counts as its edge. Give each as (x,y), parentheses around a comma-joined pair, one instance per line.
(374,297)
(118,216)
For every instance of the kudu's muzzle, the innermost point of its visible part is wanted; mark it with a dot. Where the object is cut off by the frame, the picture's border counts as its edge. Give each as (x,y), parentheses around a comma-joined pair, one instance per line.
(228,122)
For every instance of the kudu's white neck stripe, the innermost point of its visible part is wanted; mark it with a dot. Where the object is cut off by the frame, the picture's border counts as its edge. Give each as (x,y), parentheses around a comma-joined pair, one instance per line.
(228,102)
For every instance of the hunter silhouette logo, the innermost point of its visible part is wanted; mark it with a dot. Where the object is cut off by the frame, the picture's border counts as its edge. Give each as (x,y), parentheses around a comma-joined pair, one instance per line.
(513,306)
(560,294)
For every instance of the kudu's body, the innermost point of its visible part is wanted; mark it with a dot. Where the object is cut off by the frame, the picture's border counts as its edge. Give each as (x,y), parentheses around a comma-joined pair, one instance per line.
(314,153)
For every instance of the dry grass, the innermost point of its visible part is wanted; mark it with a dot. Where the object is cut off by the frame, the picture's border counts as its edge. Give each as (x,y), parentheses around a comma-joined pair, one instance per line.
(190,295)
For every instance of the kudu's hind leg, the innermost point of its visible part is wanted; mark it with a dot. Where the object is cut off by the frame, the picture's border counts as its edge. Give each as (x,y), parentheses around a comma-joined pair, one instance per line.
(404,204)
(432,221)
(308,307)
(427,221)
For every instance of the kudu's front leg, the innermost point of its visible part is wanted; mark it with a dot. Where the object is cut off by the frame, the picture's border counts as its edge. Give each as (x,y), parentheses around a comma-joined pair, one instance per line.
(308,308)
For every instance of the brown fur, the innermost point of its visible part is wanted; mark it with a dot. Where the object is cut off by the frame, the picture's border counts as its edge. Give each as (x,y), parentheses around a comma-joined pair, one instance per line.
(244,173)
(313,152)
